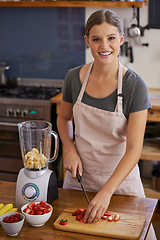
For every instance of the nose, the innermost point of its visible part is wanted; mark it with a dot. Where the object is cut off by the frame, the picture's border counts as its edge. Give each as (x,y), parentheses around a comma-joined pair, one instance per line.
(104,44)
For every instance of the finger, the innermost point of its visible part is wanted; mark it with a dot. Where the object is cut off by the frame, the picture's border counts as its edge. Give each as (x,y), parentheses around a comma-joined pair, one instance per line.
(98,215)
(74,171)
(80,170)
(86,216)
(91,215)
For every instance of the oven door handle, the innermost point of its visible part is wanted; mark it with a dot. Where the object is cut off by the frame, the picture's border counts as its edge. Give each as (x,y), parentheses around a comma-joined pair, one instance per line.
(8,124)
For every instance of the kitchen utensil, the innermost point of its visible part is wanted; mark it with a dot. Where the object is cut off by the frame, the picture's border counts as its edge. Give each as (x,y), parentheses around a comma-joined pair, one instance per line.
(128,227)
(3,67)
(12,229)
(35,181)
(37,220)
(134,31)
(130,50)
(83,189)
(126,37)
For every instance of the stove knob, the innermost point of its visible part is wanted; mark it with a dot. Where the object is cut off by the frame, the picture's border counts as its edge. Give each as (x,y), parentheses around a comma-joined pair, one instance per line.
(24,113)
(9,112)
(16,112)
(30,192)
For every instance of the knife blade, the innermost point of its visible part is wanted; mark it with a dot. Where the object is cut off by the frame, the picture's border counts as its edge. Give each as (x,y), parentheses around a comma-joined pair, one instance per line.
(83,189)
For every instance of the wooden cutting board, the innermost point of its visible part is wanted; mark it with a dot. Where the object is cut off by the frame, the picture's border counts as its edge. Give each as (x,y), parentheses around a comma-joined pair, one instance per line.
(128,227)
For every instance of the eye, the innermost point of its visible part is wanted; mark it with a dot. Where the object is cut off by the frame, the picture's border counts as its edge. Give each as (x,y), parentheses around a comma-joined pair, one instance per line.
(95,39)
(111,38)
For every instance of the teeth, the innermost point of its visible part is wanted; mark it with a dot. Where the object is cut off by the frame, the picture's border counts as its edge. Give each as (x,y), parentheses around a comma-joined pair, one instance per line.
(105,53)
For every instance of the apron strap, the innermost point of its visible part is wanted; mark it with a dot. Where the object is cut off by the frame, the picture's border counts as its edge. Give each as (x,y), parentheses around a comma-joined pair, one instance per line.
(119,105)
(84,83)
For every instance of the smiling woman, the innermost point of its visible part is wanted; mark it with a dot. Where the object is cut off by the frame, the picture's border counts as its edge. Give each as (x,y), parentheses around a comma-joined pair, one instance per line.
(109,106)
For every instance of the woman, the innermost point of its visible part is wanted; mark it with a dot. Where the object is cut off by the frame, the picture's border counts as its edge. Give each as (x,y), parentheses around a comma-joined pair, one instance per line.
(108,104)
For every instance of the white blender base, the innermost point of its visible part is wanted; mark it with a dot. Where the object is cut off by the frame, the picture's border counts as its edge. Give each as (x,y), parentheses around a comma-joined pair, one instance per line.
(34,189)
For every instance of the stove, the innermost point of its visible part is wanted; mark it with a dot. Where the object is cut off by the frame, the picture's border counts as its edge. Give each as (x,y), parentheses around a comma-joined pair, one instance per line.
(29,92)
(30,88)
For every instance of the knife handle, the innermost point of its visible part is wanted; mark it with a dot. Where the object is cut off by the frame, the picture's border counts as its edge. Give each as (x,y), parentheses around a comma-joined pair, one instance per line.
(78,177)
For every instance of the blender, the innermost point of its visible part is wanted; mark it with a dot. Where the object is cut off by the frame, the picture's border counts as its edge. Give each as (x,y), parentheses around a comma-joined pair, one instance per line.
(36,182)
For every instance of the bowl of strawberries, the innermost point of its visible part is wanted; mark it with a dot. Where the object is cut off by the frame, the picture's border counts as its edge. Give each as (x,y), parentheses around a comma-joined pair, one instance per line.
(37,213)
(12,222)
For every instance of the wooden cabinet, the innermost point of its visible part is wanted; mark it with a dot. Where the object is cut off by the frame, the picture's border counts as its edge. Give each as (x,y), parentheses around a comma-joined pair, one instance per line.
(64,3)
(151,150)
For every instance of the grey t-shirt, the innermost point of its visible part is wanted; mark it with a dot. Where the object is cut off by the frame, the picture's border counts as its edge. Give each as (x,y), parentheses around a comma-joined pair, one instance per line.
(134,91)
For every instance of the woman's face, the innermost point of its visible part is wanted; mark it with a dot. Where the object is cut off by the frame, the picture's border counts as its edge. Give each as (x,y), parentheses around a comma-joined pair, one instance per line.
(104,41)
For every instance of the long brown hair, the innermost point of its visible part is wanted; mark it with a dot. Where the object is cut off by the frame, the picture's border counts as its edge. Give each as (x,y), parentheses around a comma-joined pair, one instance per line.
(101,16)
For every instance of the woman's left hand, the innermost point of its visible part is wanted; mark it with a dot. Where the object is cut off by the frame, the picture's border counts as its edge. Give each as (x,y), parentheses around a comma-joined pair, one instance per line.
(97,207)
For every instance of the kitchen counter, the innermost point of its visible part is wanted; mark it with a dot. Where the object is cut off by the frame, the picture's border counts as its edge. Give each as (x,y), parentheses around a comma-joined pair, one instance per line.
(144,207)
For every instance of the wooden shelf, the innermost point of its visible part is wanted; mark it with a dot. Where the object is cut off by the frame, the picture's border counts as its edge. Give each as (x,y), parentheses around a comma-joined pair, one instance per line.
(149,191)
(64,3)
(151,151)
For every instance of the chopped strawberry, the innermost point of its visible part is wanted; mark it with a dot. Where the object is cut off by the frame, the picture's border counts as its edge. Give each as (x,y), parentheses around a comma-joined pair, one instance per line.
(117,217)
(78,217)
(104,217)
(75,213)
(110,218)
(32,212)
(37,208)
(42,203)
(27,210)
(46,210)
(107,213)
(81,209)
(84,211)
(81,219)
(31,205)
(39,213)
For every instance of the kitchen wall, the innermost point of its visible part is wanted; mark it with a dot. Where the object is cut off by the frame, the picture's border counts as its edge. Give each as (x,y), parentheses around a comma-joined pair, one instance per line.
(146,59)
(41,42)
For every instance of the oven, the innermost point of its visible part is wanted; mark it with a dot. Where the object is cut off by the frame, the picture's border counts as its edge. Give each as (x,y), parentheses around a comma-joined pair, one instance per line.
(17,104)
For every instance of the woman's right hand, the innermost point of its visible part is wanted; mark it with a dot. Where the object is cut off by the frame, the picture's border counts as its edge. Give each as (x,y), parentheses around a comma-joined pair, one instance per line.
(72,162)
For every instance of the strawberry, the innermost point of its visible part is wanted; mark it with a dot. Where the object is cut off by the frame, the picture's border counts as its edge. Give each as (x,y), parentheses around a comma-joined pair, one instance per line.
(117,217)
(75,213)
(16,219)
(107,213)
(81,209)
(84,211)
(81,219)
(45,211)
(17,215)
(78,217)
(31,205)
(104,217)
(27,210)
(110,218)
(63,221)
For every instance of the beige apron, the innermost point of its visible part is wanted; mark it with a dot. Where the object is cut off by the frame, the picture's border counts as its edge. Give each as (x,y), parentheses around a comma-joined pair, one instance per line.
(100,138)
(101,143)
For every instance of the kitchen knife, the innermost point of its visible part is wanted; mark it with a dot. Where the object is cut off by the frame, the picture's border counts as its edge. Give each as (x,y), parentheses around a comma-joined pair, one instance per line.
(80,181)
(126,37)
(131,50)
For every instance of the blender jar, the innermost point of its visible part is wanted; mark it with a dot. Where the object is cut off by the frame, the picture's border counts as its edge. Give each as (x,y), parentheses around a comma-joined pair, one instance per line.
(35,142)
